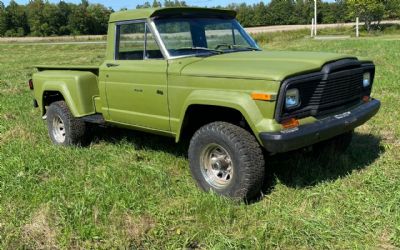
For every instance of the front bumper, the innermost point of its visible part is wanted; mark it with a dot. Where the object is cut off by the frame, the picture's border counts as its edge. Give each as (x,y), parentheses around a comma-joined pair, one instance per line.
(326,128)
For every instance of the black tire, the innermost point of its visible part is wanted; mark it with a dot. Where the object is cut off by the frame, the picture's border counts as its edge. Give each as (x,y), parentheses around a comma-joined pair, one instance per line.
(336,145)
(64,129)
(245,158)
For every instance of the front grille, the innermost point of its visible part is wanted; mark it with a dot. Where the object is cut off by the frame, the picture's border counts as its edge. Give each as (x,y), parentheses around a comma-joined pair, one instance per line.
(325,92)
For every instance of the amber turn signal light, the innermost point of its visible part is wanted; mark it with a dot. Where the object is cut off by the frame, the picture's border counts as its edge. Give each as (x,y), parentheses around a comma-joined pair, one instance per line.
(261,97)
(291,123)
(366,98)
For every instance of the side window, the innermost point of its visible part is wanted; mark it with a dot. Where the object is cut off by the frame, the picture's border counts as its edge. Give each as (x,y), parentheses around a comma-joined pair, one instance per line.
(130,41)
(136,42)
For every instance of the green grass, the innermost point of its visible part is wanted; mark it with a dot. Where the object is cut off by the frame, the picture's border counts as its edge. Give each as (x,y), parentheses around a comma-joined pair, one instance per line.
(130,189)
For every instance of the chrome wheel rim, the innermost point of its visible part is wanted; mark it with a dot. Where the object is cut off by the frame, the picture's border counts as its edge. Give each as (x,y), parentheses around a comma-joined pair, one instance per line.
(58,129)
(216,166)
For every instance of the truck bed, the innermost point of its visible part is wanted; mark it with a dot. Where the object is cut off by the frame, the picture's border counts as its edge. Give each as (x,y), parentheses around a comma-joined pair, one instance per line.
(91,68)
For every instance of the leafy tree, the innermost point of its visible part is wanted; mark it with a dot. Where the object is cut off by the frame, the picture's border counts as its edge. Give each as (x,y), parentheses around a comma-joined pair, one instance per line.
(175,3)
(280,12)
(64,11)
(16,20)
(35,16)
(52,20)
(392,9)
(3,24)
(98,19)
(78,19)
(367,10)
(143,6)
(156,4)
(303,11)
(260,14)
(245,13)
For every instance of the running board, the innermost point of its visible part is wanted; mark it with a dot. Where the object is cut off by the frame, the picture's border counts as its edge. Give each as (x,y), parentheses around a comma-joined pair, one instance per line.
(97,119)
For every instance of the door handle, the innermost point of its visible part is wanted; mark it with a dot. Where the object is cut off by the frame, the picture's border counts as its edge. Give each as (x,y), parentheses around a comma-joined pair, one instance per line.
(109,65)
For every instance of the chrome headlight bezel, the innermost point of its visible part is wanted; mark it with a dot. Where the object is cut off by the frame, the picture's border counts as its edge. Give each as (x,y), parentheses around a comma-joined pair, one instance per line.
(292,98)
(367,79)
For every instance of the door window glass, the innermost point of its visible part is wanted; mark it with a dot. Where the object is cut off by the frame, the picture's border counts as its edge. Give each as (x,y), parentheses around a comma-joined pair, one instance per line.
(132,41)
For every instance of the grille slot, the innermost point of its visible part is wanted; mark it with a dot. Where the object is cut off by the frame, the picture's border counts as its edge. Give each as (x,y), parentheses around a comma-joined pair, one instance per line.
(323,93)
(338,90)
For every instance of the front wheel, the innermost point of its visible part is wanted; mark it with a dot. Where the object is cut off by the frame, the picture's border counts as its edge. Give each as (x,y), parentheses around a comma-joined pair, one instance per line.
(228,160)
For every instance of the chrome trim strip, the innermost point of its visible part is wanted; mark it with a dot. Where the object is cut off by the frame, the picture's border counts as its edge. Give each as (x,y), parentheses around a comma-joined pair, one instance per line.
(115,41)
(145,41)
(159,41)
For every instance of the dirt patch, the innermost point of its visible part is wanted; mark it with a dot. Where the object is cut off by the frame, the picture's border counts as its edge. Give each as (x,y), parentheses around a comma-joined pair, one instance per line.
(18,132)
(11,91)
(127,229)
(136,227)
(38,233)
(8,116)
(384,242)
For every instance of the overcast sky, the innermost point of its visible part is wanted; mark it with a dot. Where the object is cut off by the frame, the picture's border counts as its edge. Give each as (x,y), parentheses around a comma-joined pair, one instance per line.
(118,4)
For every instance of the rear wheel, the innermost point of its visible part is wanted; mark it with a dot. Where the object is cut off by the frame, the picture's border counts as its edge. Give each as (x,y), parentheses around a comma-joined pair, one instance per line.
(228,160)
(64,128)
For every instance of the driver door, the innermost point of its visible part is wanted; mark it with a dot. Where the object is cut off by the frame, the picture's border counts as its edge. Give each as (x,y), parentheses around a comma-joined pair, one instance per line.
(136,84)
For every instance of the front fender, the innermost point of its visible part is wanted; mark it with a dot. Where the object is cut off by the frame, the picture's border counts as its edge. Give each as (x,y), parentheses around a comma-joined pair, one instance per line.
(77,87)
(240,101)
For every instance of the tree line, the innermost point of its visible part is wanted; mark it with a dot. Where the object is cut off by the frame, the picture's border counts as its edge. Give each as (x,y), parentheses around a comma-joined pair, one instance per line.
(281,12)
(42,18)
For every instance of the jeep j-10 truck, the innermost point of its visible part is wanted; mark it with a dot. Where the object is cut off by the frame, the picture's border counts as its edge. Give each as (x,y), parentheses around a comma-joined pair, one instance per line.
(195,73)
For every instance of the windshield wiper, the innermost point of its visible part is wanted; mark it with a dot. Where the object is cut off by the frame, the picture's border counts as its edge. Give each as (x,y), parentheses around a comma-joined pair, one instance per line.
(215,51)
(236,47)
(244,47)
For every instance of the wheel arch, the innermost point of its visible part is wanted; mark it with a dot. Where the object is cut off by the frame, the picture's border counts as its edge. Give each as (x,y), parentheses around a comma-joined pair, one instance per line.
(237,108)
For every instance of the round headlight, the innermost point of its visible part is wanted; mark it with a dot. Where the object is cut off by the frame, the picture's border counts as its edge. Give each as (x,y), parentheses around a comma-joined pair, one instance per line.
(292,98)
(366,79)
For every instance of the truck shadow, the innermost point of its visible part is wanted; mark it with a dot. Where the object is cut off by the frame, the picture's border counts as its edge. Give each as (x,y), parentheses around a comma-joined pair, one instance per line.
(300,169)
(297,169)
(139,140)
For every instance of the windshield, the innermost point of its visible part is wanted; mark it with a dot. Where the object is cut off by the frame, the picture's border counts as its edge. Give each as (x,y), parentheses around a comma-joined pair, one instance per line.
(203,36)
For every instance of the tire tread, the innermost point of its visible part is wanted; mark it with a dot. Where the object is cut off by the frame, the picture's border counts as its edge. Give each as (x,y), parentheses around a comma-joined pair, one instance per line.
(249,150)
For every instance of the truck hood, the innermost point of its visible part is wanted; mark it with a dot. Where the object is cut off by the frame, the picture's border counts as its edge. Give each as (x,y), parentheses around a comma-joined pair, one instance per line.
(266,65)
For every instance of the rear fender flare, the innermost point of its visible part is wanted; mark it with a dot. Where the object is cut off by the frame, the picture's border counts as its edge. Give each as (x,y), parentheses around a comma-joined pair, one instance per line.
(77,88)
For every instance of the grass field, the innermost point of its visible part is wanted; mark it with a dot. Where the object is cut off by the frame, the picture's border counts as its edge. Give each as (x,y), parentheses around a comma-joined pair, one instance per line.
(131,189)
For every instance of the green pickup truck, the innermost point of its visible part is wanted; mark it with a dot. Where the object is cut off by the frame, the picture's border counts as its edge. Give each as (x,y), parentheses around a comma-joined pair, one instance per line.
(194,73)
